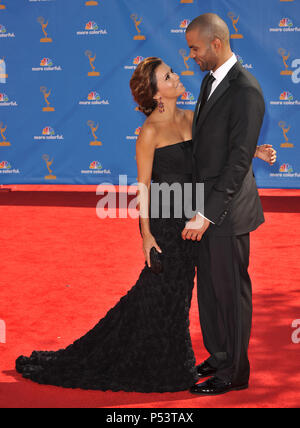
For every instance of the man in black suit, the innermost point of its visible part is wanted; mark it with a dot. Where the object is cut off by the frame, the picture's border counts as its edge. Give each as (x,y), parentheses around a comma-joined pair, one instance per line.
(227,123)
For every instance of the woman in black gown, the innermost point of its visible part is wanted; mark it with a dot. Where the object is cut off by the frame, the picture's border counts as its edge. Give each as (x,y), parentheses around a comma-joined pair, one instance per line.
(143,344)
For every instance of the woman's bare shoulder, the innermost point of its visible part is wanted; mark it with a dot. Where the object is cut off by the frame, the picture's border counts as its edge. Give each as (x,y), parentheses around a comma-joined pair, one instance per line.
(147,135)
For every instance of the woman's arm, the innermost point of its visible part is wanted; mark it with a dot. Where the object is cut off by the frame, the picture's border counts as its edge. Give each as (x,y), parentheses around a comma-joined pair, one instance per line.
(145,149)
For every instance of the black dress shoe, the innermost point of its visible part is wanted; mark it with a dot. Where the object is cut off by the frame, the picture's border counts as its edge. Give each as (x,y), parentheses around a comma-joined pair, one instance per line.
(205,370)
(215,386)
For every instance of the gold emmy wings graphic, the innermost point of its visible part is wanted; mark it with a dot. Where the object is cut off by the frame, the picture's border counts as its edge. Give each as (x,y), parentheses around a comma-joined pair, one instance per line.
(3,74)
(46,96)
(4,142)
(137,23)
(235,20)
(91,3)
(45,39)
(94,129)
(186,1)
(92,60)
(285,57)
(285,130)
(49,164)
(186,58)
(2,6)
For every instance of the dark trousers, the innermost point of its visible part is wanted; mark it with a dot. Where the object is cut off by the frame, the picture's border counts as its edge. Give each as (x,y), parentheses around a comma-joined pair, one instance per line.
(225,304)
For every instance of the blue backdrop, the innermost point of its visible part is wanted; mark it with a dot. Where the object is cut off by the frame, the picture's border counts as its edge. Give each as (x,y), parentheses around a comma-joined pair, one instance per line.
(66,111)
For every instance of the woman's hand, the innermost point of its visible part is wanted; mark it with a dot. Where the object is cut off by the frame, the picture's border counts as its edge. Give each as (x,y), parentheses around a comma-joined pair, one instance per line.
(149,242)
(266,153)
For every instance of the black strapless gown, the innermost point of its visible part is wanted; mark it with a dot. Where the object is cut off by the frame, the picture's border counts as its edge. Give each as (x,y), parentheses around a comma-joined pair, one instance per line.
(143,344)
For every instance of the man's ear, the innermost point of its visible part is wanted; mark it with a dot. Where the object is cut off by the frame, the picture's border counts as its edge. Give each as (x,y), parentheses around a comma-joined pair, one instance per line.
(217,44)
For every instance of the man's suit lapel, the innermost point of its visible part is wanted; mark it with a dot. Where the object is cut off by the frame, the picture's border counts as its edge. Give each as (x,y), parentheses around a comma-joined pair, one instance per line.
(217,94)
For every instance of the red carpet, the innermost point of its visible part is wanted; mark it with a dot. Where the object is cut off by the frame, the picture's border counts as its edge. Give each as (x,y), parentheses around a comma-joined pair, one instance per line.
(62,268)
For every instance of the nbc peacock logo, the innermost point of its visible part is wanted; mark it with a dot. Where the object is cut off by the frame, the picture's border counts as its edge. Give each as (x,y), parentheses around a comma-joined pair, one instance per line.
(6,168)
(286,96)
(187,99)
(136,61)
(4,33)
(285,22)
(136,134)
(285,25)
(48,135)
(185,23)
(96,167)
(94,99)
(91,28)
(5,165)
(286,168)
(187,96)
(3,98)
(48,131)
(46,64)
(181,27)
(93,96)
(5,102)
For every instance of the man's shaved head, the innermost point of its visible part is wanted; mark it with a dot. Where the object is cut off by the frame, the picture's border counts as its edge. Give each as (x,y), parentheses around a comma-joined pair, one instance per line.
(212,26)
(208,38)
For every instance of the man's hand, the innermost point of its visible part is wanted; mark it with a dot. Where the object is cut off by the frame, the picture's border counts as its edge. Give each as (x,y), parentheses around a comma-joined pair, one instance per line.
(195,228)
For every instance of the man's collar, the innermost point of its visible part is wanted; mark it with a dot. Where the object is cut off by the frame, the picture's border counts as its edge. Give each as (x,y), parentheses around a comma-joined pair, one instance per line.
(222,71)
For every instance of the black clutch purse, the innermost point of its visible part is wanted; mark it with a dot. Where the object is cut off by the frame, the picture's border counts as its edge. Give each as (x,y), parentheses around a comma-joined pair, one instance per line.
(156,260)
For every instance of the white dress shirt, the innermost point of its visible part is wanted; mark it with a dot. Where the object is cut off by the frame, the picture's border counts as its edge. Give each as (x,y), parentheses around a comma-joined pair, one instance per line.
(220,75)
(222,72)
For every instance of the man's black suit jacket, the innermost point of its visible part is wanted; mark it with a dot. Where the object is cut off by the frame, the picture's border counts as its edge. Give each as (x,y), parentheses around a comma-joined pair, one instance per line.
(224,143)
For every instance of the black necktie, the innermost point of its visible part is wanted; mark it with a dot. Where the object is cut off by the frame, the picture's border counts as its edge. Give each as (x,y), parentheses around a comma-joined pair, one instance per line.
(206,92)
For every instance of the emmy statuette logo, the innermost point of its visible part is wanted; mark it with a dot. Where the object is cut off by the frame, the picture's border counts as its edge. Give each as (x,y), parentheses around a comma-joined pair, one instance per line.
(46,96)
(285,130)
(4,142)
(94,129)
(137,23)
(186,58)
(44,25)
(49,164)
(2,6)
(92,59)
(235,20)
(285,57)
(91,3)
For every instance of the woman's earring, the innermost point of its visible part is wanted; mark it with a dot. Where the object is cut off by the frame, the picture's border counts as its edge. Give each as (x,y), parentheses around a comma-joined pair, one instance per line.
(161,106)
